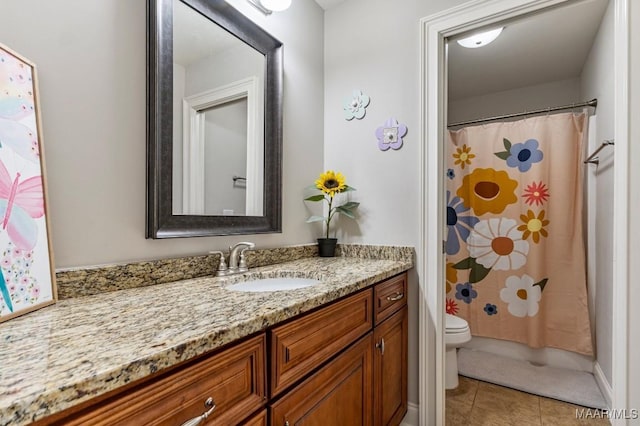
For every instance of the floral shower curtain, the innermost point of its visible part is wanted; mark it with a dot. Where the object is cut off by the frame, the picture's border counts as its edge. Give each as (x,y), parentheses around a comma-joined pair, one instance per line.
(514,249)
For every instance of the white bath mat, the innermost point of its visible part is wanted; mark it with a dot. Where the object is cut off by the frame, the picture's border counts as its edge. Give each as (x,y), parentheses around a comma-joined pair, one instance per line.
(576,387)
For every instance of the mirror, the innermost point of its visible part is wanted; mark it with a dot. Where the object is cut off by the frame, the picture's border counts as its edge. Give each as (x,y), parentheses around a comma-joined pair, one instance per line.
(214,122)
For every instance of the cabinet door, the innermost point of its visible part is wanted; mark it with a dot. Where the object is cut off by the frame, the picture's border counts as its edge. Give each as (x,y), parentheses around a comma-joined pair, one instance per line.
(390,370)
(259,419)
(339,394)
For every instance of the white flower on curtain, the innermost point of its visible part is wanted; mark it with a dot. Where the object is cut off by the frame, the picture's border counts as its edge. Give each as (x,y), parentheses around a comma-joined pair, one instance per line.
(522,295)
(497,244)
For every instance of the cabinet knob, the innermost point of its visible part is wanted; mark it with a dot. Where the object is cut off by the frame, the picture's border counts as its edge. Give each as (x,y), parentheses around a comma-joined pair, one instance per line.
(397,296)
(380,346)
(211,405)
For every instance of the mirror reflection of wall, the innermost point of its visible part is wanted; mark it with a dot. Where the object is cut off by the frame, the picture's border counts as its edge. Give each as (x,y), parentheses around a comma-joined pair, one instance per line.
(218,109)
(226,131)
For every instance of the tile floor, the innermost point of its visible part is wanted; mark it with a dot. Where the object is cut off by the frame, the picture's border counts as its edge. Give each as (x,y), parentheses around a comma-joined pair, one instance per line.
(480,403)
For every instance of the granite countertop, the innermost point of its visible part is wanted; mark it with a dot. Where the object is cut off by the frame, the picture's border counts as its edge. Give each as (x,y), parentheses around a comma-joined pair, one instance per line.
(83,347)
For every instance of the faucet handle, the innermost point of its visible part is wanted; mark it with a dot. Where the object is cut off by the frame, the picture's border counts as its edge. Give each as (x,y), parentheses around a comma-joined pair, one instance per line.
(222,266)
(242,265)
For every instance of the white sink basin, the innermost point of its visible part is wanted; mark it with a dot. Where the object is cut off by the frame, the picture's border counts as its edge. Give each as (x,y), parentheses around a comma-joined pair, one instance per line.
(273,284)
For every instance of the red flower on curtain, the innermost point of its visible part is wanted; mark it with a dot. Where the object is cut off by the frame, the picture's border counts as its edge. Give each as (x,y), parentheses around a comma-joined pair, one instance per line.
(451,307)
(536,193)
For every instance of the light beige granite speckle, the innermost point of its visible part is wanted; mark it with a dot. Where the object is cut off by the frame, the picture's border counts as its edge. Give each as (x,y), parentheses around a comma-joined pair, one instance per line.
(82,347)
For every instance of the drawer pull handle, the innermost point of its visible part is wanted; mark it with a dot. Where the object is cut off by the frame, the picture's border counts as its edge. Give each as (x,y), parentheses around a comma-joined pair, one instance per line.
(211,405)
(395,297)
(381,346)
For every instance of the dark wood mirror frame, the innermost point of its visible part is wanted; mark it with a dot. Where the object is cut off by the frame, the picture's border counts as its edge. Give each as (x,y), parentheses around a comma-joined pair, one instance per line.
(161,222)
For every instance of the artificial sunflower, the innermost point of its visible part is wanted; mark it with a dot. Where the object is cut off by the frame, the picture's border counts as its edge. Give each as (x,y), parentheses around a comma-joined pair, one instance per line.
(331,183)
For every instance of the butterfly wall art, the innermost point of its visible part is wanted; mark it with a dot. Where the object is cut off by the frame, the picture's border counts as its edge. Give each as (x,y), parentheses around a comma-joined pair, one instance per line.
(27,279)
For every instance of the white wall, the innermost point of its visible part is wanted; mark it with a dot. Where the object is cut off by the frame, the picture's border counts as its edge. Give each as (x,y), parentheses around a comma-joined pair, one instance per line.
(597,82)
(633,354)
(225,67)
(225,132)
(91,63)
(529,98)
(373,45)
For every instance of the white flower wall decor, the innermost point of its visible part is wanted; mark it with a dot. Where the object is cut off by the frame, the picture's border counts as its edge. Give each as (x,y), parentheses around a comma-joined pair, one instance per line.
(355,107)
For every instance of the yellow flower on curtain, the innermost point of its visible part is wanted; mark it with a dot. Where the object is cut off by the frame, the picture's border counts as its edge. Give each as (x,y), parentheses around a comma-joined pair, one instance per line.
(463,156)
(533,226)
(487,191)
(497,244)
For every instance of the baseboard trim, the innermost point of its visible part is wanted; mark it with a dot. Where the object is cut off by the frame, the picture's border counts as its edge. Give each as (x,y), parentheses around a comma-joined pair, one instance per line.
(603,384)
(412,417)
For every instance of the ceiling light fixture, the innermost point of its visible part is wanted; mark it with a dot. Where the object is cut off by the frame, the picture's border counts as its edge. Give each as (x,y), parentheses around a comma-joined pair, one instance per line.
(276,5)
(480,39)
(268,6)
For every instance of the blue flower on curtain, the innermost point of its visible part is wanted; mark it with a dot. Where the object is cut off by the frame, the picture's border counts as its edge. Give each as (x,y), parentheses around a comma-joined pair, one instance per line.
(451,174)
(458,226)
(490,309)
(465,292)
(523,155)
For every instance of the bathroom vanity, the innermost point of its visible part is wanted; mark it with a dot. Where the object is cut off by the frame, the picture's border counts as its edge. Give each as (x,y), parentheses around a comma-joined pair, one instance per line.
(170,353)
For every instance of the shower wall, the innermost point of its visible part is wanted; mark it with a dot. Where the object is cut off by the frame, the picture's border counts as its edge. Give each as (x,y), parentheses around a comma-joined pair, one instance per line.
(527,98)
(595,81)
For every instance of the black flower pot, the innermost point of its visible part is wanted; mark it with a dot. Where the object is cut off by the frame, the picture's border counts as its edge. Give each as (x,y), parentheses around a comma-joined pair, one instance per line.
(327,247)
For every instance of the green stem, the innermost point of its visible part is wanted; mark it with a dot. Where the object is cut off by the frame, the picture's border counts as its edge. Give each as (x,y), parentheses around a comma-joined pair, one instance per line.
(329,215)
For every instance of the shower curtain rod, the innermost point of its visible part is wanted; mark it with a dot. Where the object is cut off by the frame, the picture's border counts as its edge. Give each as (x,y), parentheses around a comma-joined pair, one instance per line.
(591,103)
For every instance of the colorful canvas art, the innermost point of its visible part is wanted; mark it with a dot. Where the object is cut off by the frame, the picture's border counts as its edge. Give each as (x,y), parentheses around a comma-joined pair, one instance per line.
(27,280)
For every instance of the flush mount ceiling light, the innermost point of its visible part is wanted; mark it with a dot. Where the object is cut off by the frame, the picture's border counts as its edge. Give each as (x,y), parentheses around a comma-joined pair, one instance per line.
(480,39)
(268,6)
(276,5)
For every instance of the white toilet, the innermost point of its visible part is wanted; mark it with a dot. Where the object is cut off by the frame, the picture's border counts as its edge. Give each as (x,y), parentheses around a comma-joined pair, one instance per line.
(457,333)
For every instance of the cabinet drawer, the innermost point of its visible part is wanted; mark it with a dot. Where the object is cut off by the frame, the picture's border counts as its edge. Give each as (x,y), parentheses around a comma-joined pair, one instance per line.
(389,296)
(234,379)
(301,345)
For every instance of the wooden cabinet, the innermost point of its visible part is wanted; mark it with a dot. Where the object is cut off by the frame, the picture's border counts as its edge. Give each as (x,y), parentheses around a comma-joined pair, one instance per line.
(366,384)
(390,370)
(301,345)
(234,379)
(342,364)
(338,394)
(259,419)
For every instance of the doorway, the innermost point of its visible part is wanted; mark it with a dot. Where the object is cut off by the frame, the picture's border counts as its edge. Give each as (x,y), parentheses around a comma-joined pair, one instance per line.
(435,30)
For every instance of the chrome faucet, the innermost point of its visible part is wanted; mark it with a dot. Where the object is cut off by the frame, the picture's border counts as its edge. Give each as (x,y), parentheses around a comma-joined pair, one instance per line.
(237,261)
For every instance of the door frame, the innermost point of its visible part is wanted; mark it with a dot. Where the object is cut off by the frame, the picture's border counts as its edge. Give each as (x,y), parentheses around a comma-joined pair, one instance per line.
(430,260)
